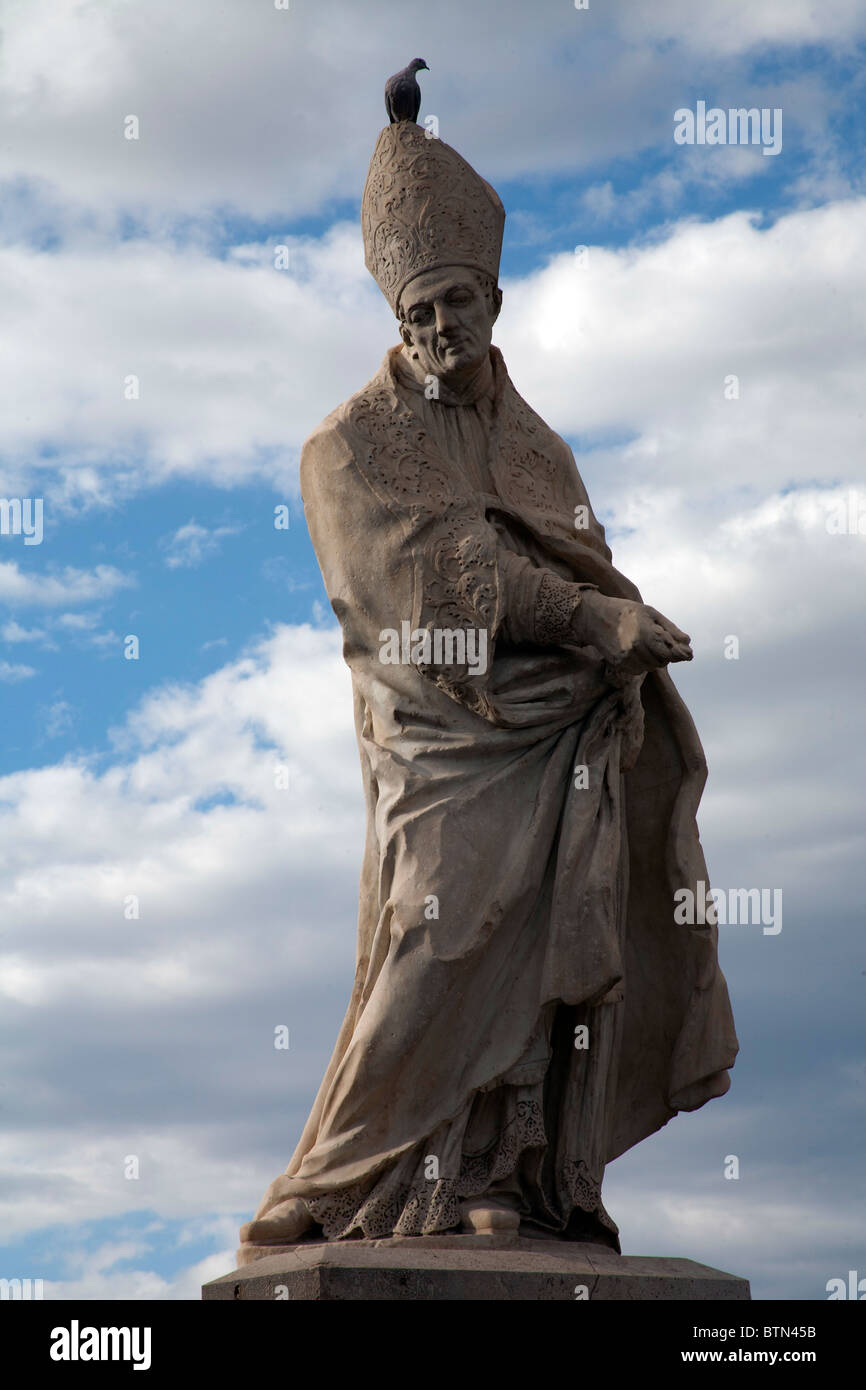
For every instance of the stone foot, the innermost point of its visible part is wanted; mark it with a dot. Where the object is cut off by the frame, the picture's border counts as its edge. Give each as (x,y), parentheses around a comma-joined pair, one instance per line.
(484,1216)
(284,1224)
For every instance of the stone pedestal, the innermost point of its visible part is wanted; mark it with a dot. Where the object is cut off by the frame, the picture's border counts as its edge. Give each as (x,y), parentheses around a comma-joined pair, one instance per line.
(475,1268)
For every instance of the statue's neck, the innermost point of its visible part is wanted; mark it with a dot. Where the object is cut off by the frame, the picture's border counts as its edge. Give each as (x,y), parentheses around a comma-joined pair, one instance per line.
(455,389)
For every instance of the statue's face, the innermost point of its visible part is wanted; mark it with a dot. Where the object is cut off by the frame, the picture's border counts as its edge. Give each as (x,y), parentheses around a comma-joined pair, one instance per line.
(447,320)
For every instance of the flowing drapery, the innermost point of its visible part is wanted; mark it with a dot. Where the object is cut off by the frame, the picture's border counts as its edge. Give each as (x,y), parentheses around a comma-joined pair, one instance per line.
(505,902)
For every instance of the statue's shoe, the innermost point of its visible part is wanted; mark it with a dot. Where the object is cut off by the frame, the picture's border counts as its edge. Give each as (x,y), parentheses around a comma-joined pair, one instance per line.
(483,1216)
(282,1225)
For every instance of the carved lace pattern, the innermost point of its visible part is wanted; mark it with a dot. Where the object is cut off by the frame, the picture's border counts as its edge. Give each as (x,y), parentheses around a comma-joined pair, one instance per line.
(584,1191)
(426,1206)
(532,475)
(555,603)
(536,477)
(458,547)
(424,206)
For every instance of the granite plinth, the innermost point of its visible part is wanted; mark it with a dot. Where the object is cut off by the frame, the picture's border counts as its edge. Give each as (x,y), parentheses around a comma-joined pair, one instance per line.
(475,1268)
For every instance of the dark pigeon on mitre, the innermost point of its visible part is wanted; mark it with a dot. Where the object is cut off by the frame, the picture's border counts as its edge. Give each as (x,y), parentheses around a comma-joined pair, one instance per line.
(402,93)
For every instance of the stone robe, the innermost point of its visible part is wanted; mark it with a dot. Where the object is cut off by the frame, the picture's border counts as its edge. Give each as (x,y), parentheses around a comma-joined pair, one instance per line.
(525,1008)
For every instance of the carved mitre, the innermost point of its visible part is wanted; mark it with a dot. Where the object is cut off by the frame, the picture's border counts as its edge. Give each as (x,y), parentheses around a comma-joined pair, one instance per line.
(425,207)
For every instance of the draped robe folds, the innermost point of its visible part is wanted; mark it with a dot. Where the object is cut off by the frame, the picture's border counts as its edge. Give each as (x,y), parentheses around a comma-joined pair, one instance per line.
(505,902)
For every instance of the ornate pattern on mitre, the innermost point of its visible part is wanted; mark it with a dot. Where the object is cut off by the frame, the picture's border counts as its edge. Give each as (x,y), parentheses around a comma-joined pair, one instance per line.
(425,207)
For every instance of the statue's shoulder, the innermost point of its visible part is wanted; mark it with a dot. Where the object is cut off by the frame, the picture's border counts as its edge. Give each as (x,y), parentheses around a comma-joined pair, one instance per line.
(335,431)
(528,421)
(523,419)
(542,473)
(332,446)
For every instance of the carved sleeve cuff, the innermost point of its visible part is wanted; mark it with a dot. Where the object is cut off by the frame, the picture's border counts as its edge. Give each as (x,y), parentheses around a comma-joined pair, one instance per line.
(555,603)
(539,606)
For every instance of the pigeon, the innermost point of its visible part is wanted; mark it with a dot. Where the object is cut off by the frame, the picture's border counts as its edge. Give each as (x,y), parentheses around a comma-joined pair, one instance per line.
(402,93)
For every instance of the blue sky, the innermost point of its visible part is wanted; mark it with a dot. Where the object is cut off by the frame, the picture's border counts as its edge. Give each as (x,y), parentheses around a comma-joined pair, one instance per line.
(152,1036)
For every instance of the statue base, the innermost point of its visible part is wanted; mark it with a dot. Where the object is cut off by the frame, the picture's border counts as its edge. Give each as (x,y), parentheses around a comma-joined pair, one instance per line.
(489,1268)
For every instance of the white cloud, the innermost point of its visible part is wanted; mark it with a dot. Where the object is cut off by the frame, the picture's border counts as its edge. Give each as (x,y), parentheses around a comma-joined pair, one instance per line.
(87,841)
(10,672)
(77,622)
(639,343)
(247,897)
(642,341)
(722,28)
(227,354)
(276,112)
(70,585)
(244,905)
(191,544)
(14,632)
(153,1034)
(59,718)
(97,1279)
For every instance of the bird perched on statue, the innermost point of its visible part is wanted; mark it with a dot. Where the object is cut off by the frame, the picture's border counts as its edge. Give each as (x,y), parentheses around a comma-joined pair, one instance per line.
(402,93)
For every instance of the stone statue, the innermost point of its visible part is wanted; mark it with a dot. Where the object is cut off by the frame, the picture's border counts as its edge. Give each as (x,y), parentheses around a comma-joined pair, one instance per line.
(525,1006)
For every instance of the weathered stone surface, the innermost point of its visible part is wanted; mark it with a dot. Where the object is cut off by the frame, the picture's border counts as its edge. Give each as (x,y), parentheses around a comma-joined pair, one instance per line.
(528,1003)
(473,1268)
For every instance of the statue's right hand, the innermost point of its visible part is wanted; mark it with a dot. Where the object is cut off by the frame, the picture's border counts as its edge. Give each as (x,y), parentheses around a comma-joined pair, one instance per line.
(632,637)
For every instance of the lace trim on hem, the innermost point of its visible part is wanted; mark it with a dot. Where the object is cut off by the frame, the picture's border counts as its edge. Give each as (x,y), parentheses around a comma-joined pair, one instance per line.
(430,1206)
(425,1206)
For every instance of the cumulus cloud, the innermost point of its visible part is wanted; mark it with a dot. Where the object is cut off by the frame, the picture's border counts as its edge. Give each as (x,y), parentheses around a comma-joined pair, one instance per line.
(97,1276)
(211,137)
(177,887)
(696,356)
(165,902)
(226,355)
(177,898)
(723,357)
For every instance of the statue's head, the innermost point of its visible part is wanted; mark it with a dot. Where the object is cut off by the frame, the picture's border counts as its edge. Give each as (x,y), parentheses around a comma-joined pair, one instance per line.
(447,317)
(432,240)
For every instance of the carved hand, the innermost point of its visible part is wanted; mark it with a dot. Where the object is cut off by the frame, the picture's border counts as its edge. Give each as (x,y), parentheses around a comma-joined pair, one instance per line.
(631,637)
